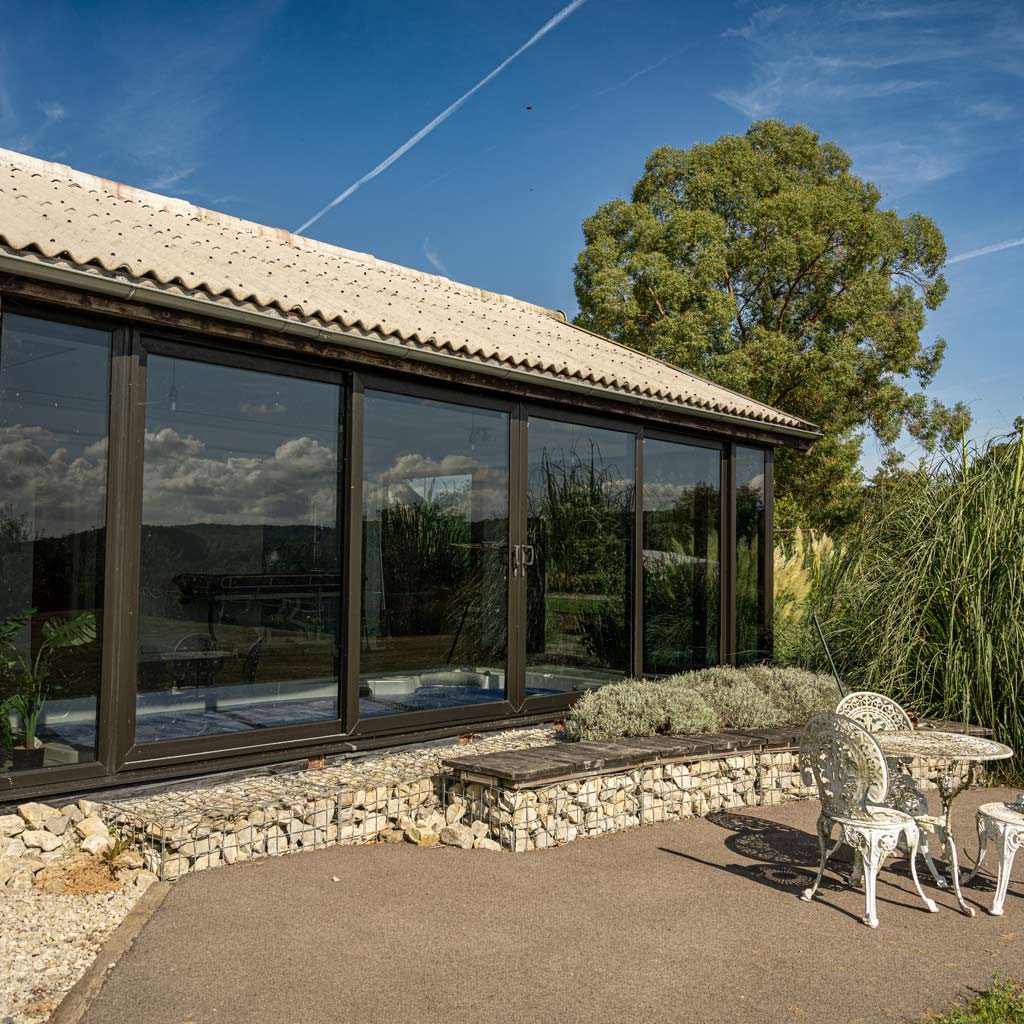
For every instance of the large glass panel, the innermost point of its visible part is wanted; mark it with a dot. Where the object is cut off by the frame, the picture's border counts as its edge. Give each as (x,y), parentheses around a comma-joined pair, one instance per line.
(581,492)
(751,640)
(241,552)
(435,555)
(54,415)
(682,506)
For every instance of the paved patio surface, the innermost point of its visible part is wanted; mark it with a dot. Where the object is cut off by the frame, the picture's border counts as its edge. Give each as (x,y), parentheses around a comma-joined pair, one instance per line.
(691,921)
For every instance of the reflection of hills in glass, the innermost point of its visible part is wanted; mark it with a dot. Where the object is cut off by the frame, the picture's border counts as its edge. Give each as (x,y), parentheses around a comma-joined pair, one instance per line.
(223,548)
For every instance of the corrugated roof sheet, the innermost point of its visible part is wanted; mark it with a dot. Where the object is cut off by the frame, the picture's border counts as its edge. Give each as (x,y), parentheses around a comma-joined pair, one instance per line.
(49,212)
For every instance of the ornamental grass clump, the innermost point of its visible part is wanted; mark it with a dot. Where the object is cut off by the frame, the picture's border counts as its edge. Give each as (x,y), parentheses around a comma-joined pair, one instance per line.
(703,701)
(927,603)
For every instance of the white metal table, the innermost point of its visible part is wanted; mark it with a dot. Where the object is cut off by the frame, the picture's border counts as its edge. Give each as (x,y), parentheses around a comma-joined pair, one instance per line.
(963,753)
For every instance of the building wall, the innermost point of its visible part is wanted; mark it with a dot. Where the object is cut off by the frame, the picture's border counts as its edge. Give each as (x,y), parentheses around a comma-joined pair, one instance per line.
(284,555)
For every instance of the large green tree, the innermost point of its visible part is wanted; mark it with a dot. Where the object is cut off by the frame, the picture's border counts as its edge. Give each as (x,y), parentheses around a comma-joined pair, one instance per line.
(762,263)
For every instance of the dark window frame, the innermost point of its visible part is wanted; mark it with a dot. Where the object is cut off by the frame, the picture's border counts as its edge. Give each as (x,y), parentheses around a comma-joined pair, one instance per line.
(100,765)
(135,754)
(119,759)
(467,714)
(724,586)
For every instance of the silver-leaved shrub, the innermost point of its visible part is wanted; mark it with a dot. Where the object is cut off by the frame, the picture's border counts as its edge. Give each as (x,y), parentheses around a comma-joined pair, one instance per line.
(704,701)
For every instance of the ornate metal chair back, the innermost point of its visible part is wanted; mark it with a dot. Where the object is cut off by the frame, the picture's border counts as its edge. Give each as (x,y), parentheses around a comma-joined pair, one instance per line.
(874,711)
(841,758)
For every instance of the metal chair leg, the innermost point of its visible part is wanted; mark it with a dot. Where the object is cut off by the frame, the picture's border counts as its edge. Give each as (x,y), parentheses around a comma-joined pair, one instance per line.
(913,841)
(932,867)
(824,835)
(982,848)
(872,862)
(1006,854)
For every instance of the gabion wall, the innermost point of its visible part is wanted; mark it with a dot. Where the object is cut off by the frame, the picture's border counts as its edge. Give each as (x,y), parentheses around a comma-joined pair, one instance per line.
(185,832)
(194,830)
(534,819)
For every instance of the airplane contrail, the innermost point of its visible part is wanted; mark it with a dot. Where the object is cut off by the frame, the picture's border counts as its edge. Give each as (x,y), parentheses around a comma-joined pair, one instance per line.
(444,115)
(985,250)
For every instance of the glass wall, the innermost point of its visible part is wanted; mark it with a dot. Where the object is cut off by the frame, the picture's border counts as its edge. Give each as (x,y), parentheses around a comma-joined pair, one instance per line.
(682,577)
(239,598)
(435,555)
(579,557)
(54,415)
(751,634)
(241,616)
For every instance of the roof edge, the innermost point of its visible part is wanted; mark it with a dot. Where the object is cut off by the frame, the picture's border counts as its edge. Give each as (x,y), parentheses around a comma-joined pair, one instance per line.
(131,193)
(127,288)
(705,380)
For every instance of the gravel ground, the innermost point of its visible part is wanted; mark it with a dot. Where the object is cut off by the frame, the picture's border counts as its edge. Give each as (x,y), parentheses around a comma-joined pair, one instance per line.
(47,942)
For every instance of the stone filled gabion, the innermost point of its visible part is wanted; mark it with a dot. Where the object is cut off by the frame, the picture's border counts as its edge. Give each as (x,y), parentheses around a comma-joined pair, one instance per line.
(355,801)
(537,818)
(534,819)
(406,798)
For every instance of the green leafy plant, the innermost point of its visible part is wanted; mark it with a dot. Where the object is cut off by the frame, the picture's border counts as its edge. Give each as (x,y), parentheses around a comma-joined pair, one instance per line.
(32,673)
(1003,1003)
(764,263)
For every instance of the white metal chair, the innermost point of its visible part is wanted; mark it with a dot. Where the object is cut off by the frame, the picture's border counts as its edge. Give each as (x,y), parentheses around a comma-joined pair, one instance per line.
(842,759)
(878,713)
(1005,828)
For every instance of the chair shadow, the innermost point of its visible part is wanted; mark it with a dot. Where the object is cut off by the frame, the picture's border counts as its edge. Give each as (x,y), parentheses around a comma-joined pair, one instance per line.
(787,859)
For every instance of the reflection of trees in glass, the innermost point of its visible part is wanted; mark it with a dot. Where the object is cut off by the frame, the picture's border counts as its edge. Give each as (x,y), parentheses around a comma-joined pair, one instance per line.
(580,524)
(750,626)
(681,582)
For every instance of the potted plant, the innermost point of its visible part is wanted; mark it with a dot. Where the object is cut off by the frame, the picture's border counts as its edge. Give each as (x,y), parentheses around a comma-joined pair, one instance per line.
(31,675)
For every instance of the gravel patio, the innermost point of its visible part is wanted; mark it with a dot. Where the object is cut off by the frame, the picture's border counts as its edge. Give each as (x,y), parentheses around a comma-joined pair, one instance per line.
(688,921)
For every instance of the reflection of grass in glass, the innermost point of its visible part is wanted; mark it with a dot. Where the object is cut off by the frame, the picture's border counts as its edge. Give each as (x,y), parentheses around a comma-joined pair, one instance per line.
(679,591)
(580,525)
(681,579)
(442,578)
(749,581)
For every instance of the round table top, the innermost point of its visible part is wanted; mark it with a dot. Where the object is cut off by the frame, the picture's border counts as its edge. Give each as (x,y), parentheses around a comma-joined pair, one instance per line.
(1003,813)
(934,743)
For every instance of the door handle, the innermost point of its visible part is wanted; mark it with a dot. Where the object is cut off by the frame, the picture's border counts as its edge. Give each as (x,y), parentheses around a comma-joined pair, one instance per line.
(522,556)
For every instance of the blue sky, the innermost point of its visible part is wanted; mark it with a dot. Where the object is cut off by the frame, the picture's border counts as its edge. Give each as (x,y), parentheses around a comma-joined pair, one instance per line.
(269,110)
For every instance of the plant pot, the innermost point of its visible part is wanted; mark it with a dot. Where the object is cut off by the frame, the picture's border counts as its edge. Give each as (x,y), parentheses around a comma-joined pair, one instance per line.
(26,758)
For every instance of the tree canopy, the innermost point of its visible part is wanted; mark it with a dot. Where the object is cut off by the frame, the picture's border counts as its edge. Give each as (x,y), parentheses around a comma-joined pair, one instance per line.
(761,262)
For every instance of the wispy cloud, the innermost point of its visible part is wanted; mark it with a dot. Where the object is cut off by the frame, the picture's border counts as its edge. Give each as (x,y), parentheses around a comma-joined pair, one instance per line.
(912,91)
(551,23)
(164,120)
(985,250)
(52,110)
(434,258)
(629,79)
(170,178)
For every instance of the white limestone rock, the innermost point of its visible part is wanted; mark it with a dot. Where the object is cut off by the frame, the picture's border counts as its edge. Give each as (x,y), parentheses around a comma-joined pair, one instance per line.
(11,825)
(34,815)
(96,844)
(457,835)
(40,839)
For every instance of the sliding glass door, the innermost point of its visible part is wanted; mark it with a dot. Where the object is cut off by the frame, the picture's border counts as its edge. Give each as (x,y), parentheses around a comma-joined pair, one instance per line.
(435,555)
(752,557)
(682,508)
(578,559)
(240,580)
(54,415)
